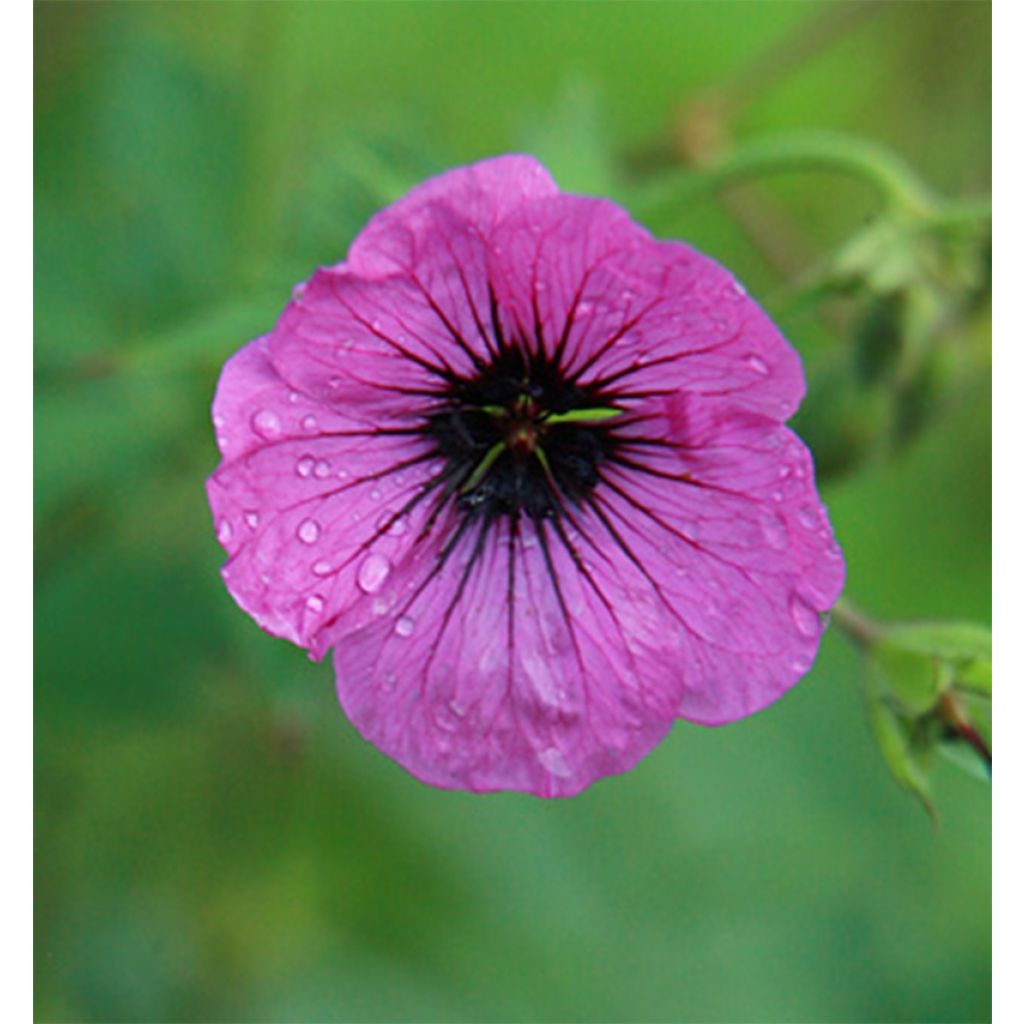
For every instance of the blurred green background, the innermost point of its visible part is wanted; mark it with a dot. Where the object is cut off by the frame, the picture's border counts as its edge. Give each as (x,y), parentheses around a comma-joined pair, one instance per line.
(213,839)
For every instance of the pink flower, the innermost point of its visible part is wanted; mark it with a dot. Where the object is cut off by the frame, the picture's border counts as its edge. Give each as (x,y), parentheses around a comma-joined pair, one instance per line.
(523,467)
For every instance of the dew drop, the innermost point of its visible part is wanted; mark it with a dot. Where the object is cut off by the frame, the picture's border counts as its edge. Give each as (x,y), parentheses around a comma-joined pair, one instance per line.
(446,720)
(305,465)
(224,531)
(736,291)
(322,568)
(554,762)
(375,494)
(309,423)
(293,397)
(335,382)
(775,532)
(322,469)
(379,606)
(388,683)
(804,616)
(373,572)
(267,424)
(341,474)
(308,531)
(456,708)
(757,364)
(395,527)
(809,516)
(404,626)
(315,603)
(252,520)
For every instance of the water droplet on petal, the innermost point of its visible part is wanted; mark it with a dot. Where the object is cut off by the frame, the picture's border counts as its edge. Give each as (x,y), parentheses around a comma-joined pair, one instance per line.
(322,568)
(309,423)
(267,424)
(305,465)
(389,681)
(757,364)
(404,626)
(457,709)
(379,606)
(322,469)
(804,616)
(775,532)
(224,531)
(252,520)
(809,516)
(293,396)
(315,603)
(445,720)
(801,663)
(373,572)
(554,762)
(375,494)
(341,474)
(387,523)
(308,531)
(736,290)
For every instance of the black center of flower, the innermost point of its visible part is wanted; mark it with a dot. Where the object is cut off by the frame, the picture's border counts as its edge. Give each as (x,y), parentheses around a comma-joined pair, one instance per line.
(519,436)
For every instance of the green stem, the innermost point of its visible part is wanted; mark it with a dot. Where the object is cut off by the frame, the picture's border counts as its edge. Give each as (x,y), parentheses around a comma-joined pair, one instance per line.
(483,465)
(582,415)
(864,631)
(897,183)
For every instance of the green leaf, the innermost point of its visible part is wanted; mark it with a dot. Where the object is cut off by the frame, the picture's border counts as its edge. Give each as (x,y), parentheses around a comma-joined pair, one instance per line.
(916,680)
(905,761)
(965,647)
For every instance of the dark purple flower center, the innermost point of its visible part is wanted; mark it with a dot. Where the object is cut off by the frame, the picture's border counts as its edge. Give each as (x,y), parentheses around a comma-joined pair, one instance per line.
(520,437)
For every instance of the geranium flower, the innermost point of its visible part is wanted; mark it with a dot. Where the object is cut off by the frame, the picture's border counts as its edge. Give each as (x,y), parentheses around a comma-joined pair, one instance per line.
(523,467)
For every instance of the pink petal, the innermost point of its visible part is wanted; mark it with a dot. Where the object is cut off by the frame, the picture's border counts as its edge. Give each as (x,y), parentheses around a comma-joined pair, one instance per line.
(480,195)
(464,693)
(652,316)
(305,497)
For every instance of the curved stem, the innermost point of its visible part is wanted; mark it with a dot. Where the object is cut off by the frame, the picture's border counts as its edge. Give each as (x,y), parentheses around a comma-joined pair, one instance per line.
(899,186)
(864,631)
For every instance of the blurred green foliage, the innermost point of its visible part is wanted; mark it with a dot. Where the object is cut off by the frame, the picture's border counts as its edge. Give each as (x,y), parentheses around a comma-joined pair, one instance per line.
(213,840)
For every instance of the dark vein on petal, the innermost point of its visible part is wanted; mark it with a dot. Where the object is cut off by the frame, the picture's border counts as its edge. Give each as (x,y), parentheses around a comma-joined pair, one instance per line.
(456,335)
(542,537)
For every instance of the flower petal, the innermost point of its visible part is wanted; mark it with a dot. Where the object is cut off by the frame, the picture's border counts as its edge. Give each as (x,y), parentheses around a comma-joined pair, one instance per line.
(310,498)
(480,194)
(488,674)
(737,546)
(651,317)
